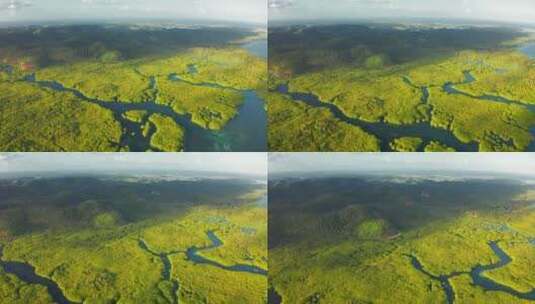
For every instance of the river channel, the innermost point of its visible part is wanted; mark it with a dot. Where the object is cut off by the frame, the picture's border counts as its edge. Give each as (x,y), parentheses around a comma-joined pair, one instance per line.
(388,132)
(384,131)
(27,274)
(194,254)
(246,132)
(477,276)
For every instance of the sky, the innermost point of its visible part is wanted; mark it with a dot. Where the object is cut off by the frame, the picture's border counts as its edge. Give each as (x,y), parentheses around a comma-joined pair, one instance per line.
(248,163)
(250,11)
(519,163)
(496,10)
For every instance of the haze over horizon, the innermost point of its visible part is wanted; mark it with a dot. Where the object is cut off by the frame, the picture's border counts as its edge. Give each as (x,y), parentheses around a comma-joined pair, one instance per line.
(239,11)
(234,163)
(522,11)
(509,163)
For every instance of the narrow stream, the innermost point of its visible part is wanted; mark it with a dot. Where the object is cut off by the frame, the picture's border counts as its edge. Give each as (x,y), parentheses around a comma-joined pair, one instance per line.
(450,89)
(384,131)
(167,268)
(27,274)
(387,132)
(443,279)
(245,132)
(477,276)
(489,284)
(194,255)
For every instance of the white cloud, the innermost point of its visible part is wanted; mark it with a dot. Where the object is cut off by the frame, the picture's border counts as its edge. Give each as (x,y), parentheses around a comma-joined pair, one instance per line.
(14,4)
(251,163)
(280,4)
(511,10)
(227,10)
(523,163)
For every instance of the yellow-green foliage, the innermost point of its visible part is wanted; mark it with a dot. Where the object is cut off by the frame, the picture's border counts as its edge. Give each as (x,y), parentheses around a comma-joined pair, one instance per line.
(526,221)
(231,67)
(105,81)
(345,269)
(243,231)
(105,220)
(108,265)
(378,95)
(435,146)
(437,74)
(4,76)
(522,254)
(35,119)
(210,108)
(375,62)
(14,291)
(135,115)
(466,292)
(294,126)
(91,271)
(495,126)
(406,144)
(169,136)
(147,128)
(335,273)
(507,74)
(464,233)
(370,229)
(370,96)
(206,284)
(130,81)
(245,239)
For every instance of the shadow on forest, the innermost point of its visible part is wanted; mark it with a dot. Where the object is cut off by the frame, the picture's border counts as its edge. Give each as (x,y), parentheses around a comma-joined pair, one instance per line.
(77,202)
(53,45)
(301,49)
(329,208)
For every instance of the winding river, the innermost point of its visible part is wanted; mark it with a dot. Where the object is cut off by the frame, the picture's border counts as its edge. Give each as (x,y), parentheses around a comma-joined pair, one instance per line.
(384,131)
(477,276)
(194,255)
(27,274)
(167,267)
(388,132)
(246,132)
(468,78)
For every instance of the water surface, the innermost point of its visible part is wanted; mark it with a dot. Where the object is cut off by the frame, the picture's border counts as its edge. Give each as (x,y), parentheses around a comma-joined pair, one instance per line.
(259,47)
(528,49)
(246,132)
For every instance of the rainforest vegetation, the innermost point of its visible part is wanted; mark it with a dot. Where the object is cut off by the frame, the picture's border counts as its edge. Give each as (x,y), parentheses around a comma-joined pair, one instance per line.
(401,239)
(73,80)
(132,239)
(472,82)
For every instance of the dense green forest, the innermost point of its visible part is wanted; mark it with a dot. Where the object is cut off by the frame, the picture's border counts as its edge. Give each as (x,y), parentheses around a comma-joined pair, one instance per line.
(467,86)
(397,239)
(75,80)
(125,239)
